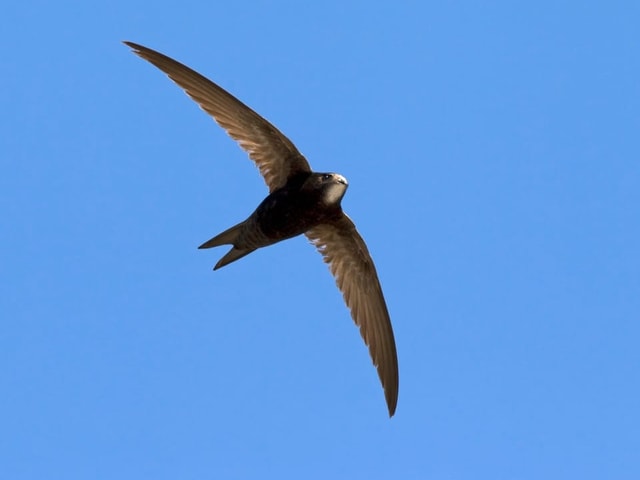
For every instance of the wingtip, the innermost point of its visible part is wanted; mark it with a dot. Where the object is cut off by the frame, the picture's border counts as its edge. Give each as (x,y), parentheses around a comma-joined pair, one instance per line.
(133,46)
(391,397)
(392,409)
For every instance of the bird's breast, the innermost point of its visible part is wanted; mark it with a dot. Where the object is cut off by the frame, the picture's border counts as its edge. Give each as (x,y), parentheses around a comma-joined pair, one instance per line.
(287,214)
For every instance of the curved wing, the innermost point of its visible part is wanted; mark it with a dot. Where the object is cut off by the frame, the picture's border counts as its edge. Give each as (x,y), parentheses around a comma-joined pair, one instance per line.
(277,158)
(344,250)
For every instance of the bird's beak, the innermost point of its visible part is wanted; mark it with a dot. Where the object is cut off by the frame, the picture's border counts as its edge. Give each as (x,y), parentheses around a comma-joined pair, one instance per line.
(342,180)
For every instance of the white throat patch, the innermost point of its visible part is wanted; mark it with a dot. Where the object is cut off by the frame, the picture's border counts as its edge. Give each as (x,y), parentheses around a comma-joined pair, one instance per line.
(334,193)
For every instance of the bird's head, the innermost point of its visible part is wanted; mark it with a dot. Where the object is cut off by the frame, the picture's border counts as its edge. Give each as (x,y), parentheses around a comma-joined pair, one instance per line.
(331,187)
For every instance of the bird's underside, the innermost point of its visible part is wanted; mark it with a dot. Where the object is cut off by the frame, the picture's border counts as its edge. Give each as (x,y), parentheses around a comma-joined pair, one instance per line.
(300,201)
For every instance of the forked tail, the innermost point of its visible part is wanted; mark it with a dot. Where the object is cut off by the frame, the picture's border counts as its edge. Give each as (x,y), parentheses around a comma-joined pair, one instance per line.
(228,237)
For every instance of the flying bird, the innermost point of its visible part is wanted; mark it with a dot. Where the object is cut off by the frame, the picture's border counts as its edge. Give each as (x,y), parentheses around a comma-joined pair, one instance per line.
(300,201)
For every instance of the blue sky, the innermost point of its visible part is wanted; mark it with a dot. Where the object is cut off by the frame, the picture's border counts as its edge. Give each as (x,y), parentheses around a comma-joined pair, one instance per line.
(494,165)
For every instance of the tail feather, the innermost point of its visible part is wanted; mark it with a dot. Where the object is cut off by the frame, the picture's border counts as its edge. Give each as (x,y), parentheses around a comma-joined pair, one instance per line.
(233,255)
(228,237)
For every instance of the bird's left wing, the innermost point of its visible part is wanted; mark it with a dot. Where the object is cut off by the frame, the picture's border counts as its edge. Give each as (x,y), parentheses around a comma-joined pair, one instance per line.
(344,250)
(275,155)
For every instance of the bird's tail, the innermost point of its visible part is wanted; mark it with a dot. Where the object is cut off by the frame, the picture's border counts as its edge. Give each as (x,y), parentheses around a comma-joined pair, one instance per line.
(228,237)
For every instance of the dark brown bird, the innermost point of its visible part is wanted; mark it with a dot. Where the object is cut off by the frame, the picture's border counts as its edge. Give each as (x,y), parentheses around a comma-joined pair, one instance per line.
(299,201)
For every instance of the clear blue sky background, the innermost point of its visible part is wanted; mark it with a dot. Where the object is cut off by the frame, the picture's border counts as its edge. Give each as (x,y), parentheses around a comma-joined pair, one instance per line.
(493,155)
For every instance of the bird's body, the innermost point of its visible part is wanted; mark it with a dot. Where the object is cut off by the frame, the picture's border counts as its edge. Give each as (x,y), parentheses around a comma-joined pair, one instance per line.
(305,201)
(300,201)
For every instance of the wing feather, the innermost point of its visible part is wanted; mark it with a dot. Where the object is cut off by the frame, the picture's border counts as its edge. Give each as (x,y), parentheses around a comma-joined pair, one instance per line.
(275,155)
(344,250)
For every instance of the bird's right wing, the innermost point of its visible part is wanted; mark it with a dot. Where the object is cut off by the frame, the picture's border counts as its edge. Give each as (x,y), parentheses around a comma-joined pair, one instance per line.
(275,155)
(344,250)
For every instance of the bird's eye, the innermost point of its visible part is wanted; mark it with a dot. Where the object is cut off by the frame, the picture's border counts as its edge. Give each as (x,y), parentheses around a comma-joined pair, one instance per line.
(326,176)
